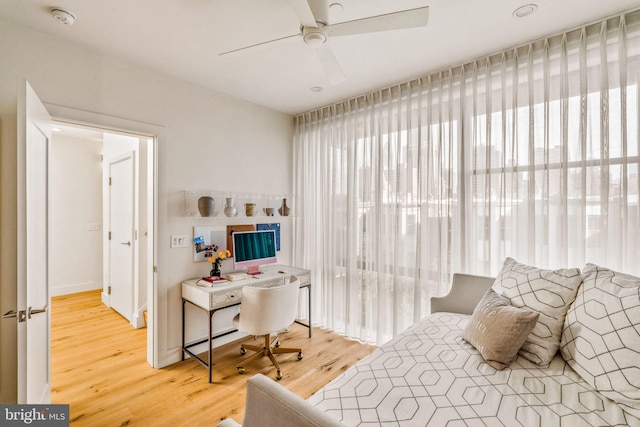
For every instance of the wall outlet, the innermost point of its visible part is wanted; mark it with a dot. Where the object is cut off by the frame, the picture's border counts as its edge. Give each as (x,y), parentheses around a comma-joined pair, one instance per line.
(179,241)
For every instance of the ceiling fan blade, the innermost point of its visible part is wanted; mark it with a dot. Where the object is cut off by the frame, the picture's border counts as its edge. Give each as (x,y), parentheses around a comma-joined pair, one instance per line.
(304,12)
(330,64)
(392,21)
(265,45)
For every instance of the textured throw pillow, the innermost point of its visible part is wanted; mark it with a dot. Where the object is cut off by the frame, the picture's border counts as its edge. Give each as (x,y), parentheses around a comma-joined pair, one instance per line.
(549,292)
(498,330)
(601,336)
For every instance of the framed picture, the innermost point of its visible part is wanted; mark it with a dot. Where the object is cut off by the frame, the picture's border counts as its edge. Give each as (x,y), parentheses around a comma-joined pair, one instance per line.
(204,239)
(232,228)
(275,227)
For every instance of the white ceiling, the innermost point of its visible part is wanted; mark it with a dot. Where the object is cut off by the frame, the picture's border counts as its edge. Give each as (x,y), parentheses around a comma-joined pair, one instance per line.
(183,38)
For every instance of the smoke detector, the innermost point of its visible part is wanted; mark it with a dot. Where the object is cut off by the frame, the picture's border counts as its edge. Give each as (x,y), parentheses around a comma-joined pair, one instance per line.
(63,16)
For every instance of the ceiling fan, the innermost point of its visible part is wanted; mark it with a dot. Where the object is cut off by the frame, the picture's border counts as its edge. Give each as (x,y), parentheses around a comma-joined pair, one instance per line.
(315,30)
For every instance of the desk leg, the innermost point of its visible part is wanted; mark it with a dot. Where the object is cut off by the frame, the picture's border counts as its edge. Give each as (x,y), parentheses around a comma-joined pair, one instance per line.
(182,349)
(210,351)
(309,300)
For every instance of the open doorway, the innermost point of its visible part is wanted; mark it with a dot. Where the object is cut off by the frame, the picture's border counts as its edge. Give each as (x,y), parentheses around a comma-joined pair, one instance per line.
(101,213)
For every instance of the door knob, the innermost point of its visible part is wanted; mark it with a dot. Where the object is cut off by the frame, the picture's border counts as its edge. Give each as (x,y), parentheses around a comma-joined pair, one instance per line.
(31,311)
(126,243)
(20,315)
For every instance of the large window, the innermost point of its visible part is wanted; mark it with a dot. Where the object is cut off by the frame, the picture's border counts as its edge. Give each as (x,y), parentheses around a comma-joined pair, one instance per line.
(569,182)
(532,153)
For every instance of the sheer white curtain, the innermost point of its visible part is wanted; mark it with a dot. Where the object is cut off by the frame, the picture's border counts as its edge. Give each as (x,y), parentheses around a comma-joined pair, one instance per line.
(532,153)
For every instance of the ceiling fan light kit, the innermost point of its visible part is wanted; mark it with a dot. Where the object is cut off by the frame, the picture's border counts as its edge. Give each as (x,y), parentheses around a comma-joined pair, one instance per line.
(314,36)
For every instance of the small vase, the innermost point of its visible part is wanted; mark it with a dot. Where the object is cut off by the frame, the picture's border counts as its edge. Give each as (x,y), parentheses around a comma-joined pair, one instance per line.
(249,209)
(284,209)
(229,209)
(206,206)
(215,270)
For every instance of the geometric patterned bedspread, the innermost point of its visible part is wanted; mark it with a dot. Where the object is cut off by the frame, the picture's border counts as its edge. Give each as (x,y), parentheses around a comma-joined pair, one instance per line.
(430,376)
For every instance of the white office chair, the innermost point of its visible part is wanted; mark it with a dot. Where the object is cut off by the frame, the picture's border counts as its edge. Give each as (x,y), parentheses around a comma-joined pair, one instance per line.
(266,311)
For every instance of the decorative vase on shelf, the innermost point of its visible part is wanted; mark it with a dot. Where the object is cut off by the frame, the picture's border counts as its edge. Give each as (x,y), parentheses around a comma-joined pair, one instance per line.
(284,209)
(206,206)
(249,209)
(229,209)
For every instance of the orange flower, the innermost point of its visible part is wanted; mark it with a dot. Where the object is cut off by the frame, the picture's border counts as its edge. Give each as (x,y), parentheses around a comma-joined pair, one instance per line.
(217,258)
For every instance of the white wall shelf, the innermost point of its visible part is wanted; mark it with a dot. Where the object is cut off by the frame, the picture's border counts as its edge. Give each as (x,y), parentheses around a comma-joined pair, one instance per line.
(262,202)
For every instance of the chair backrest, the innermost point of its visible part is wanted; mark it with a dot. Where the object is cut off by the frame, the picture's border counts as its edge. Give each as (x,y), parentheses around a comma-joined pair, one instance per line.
(267,310)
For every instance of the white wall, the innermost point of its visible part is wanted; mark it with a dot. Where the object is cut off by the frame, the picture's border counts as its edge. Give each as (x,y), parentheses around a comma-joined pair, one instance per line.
(205,139)
(76,215)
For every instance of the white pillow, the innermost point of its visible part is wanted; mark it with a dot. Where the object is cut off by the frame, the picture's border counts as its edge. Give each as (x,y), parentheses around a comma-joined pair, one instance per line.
(550,293)
(601,336)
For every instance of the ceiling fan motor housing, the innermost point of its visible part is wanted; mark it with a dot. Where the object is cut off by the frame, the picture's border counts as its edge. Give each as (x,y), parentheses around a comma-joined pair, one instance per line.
(314,36)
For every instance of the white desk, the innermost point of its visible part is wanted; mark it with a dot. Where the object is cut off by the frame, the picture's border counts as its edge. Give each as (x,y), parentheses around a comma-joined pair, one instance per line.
(229,294)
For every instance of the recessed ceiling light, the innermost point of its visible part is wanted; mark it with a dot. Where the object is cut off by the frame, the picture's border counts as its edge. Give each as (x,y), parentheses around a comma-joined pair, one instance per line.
(316,89)
(56,129)
(335,8)
(525,10)
(63,16)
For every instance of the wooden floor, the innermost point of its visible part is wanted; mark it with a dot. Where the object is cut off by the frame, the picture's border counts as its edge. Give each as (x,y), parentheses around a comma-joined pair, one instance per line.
(99,368)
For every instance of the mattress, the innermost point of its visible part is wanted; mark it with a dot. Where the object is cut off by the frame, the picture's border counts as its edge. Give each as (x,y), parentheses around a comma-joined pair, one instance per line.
(430,376)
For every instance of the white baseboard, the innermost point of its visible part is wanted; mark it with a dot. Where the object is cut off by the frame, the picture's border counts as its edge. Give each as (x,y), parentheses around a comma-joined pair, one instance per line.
(74,288)
(138,318)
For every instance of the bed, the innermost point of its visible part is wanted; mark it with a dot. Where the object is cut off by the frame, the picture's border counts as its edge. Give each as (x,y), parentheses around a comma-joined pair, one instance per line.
(431,376)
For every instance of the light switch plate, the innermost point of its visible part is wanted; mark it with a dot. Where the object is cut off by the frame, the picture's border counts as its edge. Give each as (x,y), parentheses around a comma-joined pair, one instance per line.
(179,241)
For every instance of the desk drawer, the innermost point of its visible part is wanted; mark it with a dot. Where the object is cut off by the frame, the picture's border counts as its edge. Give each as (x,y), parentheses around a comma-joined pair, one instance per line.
(270,283)
(223,299)
(232,296)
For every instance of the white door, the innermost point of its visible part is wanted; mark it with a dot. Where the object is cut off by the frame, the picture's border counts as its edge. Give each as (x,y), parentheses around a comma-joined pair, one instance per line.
(121,242)
(33,314)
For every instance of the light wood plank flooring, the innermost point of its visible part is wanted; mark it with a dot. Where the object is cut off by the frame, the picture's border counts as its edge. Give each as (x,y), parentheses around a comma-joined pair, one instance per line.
(99,367)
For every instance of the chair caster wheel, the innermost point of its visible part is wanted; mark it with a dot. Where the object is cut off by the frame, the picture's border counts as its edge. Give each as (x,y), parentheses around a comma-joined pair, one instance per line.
(278,376)
(300,356)
(240,370)
(243,351)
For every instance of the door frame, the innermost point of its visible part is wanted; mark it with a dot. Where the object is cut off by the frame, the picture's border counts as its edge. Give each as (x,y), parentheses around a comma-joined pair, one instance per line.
(109,124)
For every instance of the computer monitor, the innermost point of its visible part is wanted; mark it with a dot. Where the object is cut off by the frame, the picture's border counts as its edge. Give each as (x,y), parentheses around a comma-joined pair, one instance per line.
(251,249)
